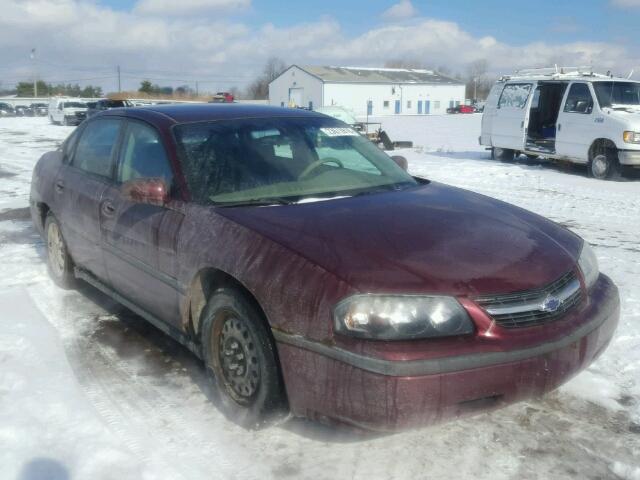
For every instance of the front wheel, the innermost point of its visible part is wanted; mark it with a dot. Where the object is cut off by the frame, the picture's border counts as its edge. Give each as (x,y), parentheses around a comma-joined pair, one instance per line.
(241,360)
(503,154)
(59,263)
(604,165)
(65,122)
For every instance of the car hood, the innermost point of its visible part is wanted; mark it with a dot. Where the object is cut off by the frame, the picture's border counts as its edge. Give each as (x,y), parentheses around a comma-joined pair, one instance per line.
(429,239)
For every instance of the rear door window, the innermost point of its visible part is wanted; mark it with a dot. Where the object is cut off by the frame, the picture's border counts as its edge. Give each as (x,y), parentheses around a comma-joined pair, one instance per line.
(514,95)
(96,147)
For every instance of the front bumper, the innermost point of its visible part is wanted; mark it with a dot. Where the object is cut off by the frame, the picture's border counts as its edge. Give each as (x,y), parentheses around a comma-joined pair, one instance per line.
(629,157)
(332,384)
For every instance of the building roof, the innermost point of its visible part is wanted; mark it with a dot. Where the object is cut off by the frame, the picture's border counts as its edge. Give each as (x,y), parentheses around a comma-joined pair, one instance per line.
(378,75)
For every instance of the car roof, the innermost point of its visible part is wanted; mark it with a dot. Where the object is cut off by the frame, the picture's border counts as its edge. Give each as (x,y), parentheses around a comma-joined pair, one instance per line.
(199,112)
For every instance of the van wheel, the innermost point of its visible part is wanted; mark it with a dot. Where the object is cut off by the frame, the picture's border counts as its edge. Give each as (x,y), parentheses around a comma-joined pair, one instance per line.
(604,165)
(65,122)
(241,360)
(59,262)
(51,120)
(503,154)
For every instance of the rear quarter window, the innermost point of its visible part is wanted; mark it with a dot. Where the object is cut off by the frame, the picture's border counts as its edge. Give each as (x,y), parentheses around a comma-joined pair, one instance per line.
(515,95)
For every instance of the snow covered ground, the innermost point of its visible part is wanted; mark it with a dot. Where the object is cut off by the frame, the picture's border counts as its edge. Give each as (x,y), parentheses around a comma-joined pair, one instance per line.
(89,390)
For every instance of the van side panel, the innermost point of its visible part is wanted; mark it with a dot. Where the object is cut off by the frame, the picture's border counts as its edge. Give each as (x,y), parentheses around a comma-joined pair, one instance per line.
(489,114)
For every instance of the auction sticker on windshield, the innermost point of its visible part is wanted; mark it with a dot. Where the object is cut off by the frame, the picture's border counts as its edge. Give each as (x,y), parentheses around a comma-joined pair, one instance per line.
(339,132)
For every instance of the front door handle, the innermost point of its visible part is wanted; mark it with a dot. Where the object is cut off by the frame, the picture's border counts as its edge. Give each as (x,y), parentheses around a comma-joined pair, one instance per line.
(522,124)
(559,126)
(59,186)
(108,209)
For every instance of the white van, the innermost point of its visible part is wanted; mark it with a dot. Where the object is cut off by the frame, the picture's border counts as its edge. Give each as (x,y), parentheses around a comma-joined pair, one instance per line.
(581,117)
(67,111)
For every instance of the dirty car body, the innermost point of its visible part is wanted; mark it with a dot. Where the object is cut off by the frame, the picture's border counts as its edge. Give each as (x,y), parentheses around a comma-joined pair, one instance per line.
(387,306)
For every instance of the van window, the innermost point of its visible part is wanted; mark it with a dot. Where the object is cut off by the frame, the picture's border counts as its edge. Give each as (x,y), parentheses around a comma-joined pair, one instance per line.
(515,95)
(579,99)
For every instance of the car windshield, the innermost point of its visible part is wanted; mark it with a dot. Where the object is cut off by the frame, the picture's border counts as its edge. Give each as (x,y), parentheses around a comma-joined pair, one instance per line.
(611,94)
(74,105)
(282,160)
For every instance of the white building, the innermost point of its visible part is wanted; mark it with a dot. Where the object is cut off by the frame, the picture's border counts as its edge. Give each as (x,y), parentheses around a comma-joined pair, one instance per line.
(376,91)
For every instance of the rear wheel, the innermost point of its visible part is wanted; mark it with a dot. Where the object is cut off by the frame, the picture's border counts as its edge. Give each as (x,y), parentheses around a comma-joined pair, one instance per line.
(241,360)
(65,122)
(604,163)
(59,263)
(503,154)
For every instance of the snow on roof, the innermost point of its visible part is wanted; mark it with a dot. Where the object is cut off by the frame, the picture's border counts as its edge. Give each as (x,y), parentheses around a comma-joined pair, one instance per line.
(334,74)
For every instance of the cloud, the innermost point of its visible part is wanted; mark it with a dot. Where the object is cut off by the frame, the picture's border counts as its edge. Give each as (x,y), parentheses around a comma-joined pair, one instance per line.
(400,11)
(188,7)
(84,41)
(626,3)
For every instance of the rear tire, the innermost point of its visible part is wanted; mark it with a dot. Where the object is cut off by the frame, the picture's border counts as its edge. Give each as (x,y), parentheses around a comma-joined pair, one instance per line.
(59,262)
(241,360)
(604,164)
(503,154)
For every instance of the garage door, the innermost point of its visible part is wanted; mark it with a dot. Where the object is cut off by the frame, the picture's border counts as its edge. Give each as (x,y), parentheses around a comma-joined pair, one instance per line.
(295,96)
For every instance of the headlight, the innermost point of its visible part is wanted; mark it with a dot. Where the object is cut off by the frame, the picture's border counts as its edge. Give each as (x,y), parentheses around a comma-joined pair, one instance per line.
(401,317)
(588,264)
(631,137)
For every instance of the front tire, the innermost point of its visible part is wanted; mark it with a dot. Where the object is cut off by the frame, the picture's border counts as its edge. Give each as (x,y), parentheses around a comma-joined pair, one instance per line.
(59,262)
(241,360)
(503,154)
(604,165)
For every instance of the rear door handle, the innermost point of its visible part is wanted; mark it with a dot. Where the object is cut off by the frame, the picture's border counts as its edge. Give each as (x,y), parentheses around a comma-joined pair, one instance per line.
(559,127)
(522,124)
(59,186)
(108,209)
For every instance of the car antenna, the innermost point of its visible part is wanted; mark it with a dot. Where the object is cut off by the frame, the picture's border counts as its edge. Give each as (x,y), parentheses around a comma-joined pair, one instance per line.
(630,74)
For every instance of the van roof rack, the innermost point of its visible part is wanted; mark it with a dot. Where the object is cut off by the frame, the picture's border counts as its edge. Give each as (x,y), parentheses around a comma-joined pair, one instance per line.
(557,72)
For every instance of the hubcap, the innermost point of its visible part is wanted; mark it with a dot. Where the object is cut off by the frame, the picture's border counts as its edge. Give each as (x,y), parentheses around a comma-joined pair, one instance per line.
(55,249)
(238,359)
(600,165)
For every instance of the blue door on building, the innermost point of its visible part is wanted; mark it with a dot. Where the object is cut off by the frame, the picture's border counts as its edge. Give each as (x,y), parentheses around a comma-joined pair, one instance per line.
(427,107)
(397,106)
(370,107)
(419,107)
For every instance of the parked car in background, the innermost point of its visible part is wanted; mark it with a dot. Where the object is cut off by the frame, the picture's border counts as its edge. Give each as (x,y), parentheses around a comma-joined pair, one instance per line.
(67,111)
(461,109)
(6,110)
(23,111)
(309,271)
(106,104)
(39,109)
(223,97)
(576,116)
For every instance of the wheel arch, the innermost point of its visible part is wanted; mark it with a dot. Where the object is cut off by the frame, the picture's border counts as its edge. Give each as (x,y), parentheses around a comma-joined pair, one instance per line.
(603,142)
(204,283)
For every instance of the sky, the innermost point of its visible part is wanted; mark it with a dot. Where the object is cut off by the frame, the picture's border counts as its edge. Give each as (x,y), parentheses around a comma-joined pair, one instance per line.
(224,43)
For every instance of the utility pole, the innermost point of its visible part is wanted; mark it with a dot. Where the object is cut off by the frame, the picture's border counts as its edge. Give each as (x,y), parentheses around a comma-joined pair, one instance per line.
(35,75)
(196,89)
(119,89)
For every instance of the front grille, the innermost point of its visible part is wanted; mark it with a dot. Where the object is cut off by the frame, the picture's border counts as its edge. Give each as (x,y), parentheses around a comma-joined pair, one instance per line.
(534,307)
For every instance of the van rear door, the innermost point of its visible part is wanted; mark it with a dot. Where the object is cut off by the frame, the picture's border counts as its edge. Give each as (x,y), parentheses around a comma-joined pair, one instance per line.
(489,113)
(507,130)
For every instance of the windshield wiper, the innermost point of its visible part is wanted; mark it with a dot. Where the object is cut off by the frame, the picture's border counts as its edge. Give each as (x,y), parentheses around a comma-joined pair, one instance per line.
(256,202)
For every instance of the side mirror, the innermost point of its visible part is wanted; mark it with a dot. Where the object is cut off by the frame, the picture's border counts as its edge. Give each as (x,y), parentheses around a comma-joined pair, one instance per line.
(150,191)
(401,161)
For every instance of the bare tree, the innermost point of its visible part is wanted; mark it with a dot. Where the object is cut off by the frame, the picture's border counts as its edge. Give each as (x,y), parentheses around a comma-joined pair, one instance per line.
(478,81)
(259,88)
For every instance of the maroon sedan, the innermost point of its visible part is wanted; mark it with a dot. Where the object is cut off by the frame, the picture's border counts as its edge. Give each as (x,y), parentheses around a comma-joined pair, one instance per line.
(310,271)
